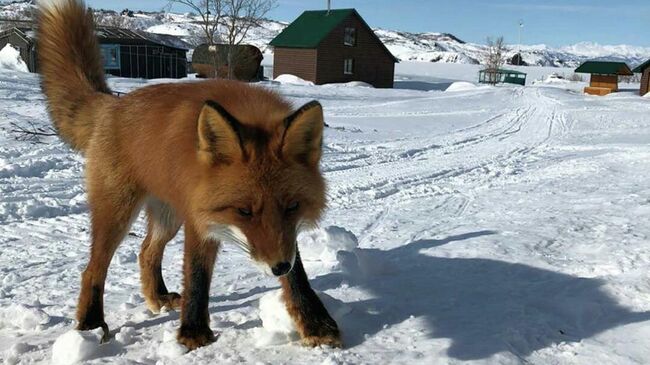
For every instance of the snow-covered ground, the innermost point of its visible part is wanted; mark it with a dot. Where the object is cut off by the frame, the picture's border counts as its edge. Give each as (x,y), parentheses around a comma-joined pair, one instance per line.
(492,225)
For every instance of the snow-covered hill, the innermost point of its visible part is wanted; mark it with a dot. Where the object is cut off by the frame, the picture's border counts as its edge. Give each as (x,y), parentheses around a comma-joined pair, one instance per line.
(428,47)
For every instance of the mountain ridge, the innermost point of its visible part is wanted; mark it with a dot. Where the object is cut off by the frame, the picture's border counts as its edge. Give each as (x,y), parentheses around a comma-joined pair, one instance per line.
(406,46)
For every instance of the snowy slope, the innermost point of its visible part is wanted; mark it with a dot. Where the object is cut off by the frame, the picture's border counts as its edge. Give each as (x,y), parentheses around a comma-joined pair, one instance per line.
(428,47)
(488,225)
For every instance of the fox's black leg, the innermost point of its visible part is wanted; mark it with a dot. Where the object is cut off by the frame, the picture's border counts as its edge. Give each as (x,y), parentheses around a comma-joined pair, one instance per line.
(197,269)
(315,325)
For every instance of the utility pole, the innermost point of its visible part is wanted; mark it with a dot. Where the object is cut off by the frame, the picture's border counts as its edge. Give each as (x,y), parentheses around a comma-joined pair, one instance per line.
(329,6)
(521,26)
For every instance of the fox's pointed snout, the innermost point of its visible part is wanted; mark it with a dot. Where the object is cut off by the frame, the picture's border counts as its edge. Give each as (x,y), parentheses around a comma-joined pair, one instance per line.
(281,269)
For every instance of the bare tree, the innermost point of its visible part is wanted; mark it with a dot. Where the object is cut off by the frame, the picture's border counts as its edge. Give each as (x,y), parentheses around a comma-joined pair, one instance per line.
(211,14)
(495,57)
(239,17)
(110,19)
(230,20)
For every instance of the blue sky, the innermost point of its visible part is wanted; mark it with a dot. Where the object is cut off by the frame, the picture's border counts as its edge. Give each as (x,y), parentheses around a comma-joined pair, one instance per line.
(554,22)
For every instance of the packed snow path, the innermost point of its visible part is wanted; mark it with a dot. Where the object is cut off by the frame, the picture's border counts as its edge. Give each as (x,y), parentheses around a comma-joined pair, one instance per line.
(495,225)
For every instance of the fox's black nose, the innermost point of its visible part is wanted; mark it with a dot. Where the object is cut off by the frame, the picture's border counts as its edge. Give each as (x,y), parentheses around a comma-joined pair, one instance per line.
(281,268)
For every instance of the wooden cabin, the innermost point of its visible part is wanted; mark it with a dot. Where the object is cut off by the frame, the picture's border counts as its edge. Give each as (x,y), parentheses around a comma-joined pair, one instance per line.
(125,53)
(604,76)
(333,46)
(212,61)
(644,70)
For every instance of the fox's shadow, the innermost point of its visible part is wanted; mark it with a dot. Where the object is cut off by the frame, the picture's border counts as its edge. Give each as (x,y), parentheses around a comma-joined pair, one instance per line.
(484,306)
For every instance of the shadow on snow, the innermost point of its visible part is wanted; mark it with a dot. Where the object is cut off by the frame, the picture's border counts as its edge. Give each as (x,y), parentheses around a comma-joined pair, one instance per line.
(484,306)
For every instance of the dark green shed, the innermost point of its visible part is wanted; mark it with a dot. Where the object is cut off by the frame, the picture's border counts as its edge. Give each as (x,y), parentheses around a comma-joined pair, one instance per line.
(498,76)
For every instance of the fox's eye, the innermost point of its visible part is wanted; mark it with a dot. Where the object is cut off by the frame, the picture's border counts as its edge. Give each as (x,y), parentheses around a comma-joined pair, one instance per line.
(292,207)
(244,212)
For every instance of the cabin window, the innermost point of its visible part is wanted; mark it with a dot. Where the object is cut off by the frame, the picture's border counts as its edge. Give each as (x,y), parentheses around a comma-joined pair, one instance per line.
(111,56)
(350,38)
(348,66)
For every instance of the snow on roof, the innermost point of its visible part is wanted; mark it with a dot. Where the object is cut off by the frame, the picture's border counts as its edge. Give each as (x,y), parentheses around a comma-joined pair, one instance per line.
(120,34)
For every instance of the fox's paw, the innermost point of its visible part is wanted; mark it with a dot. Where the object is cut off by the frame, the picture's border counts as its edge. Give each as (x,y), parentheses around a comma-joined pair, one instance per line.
(328,340)
(194,338)
(170,300)
(324,333)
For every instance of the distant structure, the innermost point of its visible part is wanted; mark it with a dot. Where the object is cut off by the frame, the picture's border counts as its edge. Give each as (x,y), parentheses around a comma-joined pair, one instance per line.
(330,46)
(604,76)
(125,52)
(499,76)
(517,60)
(644,70)
(246,59)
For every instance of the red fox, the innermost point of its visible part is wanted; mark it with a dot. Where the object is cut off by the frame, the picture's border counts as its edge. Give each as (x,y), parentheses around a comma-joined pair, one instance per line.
(227,160)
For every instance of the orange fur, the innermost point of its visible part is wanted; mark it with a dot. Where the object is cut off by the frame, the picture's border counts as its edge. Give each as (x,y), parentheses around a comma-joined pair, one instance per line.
(209,155)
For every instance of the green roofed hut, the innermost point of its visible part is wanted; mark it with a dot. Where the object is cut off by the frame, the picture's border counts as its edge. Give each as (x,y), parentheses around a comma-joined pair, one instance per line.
(499,76)
(644,70)
(604,76)
(333,46)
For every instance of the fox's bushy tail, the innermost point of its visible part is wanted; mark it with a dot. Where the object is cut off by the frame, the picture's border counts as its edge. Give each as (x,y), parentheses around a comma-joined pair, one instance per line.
(71,68)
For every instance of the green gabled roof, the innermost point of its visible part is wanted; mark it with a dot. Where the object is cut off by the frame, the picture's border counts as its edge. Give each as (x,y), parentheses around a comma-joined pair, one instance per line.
(310,28)
(605,68)
(640,68)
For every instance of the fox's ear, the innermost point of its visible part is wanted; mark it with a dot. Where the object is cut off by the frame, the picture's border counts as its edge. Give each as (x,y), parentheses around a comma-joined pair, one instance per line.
(219,137)
(303,134)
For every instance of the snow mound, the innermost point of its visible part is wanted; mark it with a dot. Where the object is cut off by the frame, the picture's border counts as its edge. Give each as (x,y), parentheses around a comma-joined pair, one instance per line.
(647,95)
(350,84)
(278,327)
(292,80)
(15,353)
(555,79)
(461,86)
(76,346)
(21,317)
(10,59)
(170,348)
(324,244)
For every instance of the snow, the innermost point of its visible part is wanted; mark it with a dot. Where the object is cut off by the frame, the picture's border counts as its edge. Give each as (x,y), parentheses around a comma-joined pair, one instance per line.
(277,326)
(75,346)
(490,225)
(349,84)
(10,59)
(461,86)
(22,317)
(292,80)
(323,245)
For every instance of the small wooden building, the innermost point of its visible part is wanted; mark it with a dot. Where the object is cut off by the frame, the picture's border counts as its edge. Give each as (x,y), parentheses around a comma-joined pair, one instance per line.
(498,76)
(333,46)
(246,61)
(126,53)
(604,76)
(644,70)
